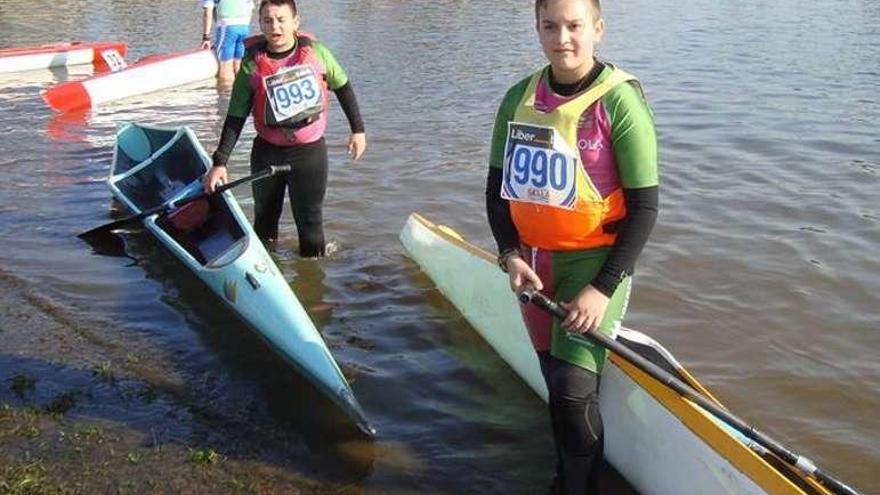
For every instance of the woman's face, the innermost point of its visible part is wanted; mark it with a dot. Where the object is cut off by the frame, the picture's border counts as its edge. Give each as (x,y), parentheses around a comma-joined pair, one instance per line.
(569,32)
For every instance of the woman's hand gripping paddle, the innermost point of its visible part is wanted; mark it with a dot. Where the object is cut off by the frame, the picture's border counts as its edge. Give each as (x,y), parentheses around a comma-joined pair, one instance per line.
(685,390)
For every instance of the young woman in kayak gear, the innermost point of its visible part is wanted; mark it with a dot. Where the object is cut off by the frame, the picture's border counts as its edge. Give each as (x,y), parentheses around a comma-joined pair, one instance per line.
(285,81)
(571,197)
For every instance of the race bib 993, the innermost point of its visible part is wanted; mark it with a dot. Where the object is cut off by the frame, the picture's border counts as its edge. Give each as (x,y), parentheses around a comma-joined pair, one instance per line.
(294,93)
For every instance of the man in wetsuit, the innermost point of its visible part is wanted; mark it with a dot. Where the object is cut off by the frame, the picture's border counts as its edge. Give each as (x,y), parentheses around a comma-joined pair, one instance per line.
(285,81)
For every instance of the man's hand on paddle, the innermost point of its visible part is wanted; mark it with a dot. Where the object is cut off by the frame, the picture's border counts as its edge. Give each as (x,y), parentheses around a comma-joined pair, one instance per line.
(215,177)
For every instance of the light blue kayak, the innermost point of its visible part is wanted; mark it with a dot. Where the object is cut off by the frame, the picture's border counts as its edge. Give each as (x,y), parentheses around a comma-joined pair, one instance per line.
(156,166)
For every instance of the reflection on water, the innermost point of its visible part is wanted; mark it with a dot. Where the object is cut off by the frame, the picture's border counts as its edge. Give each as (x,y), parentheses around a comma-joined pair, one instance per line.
(757,277)
(14,85)
(68,126)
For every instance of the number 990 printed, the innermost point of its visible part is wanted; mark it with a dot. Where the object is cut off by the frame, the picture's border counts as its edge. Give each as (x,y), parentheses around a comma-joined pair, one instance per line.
(536,167)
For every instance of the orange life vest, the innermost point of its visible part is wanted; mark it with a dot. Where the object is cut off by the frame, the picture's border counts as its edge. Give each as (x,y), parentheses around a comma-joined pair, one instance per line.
(573,217)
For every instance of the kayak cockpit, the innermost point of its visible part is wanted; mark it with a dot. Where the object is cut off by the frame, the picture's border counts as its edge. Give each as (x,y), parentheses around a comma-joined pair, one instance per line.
(136,144)
(207,230)
(152,167)
(155,167)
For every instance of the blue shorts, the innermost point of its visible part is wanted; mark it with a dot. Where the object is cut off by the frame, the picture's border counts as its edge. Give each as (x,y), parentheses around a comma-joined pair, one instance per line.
(229,41)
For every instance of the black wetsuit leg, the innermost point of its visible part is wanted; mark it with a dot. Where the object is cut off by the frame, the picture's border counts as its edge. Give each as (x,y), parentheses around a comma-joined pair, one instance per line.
(577,424)
(306,184)
(557,487)
(269,192)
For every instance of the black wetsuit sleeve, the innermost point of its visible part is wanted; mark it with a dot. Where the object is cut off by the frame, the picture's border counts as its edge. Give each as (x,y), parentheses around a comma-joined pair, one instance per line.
(349,105)
(232,127)
(642,205)
(498,212)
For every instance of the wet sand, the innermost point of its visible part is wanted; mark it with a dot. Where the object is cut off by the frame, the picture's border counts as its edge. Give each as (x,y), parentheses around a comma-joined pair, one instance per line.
(80,413)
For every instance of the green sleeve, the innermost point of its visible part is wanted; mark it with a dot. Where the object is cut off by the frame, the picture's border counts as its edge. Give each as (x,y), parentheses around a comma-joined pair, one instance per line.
(505,114)
(336,77)
(242,97)
(633,136)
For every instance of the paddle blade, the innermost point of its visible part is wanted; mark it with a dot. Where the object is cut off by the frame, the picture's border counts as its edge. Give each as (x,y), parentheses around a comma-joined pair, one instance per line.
(104,241)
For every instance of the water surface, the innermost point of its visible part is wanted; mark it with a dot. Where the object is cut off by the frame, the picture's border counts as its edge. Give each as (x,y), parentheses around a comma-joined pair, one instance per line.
(758,276)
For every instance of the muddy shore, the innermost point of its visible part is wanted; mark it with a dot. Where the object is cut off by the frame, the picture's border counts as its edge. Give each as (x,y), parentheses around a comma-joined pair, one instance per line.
(80,412)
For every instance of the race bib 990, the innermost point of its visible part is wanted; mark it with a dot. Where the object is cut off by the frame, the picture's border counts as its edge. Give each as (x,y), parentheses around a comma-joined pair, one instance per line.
(293,93)
(538,167)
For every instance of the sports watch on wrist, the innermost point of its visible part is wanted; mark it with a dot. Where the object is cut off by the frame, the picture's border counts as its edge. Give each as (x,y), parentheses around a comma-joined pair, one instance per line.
(505,256)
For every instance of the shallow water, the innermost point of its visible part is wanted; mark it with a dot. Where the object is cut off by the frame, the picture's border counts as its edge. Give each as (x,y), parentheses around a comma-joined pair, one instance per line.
(758,277)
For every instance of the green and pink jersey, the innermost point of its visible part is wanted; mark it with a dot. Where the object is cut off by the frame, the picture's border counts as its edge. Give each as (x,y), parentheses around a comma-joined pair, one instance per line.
(290,95)
(565,162)
(615,139)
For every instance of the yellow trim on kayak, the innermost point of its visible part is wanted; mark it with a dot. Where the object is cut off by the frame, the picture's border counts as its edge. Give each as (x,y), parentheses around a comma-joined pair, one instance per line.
(703,425)
(690,380)
(454,237)
(693,417)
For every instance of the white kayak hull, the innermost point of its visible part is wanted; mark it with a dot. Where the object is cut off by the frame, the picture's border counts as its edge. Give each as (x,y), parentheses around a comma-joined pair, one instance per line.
(56,55)
(660,442)
(147,75)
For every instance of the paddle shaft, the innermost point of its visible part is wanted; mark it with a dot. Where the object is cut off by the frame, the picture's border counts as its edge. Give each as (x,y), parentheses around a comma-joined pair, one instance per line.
(272,170)
(661,375)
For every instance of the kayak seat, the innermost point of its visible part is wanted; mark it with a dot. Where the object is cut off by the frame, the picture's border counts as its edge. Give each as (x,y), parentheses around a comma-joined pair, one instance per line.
(205,228)
(190,215)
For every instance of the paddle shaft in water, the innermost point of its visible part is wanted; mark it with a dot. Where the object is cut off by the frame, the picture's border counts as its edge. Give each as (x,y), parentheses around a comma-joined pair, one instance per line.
(101,233)
(658,373)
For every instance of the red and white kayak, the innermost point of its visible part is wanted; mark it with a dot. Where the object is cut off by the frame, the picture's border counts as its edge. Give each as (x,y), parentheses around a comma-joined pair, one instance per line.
(46,56)
(148,74)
